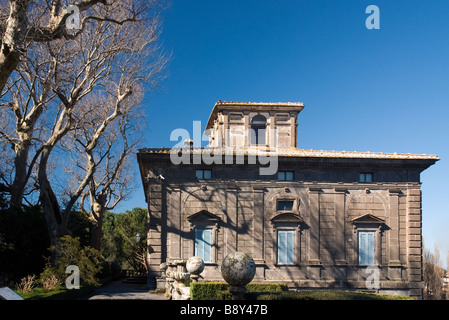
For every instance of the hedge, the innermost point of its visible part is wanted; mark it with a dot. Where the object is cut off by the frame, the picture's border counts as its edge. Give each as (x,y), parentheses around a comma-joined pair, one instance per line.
(279,291)
(328,295)
(266,287)
(219,290)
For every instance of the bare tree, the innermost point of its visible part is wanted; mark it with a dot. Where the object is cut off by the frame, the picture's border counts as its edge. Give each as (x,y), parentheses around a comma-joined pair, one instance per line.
(28,94)
(105,171)
(110,62)
(26,28)
(25,21)
(114,60)
(433,274)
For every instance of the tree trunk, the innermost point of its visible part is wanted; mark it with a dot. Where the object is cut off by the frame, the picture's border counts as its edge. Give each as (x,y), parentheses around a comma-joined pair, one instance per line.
(13,39)
(95,235)
(95,228)
(98,207)
(12,44)
(49,201)
(21,173)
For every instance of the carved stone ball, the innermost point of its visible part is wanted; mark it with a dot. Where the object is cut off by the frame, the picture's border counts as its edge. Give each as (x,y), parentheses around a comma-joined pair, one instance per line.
(238,269)
(195,265)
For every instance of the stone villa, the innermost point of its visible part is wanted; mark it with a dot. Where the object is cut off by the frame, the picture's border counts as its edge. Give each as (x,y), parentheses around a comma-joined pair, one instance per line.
(316,219)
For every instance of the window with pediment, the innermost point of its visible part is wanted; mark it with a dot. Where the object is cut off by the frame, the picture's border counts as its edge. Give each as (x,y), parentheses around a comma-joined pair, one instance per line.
(287,228)
(368,229)
(205,225)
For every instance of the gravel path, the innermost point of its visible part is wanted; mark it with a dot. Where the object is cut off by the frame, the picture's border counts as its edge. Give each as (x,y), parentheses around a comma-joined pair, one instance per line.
(118,290)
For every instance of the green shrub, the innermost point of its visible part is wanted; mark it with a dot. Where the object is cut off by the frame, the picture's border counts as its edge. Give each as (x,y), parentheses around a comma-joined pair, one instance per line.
(208,291)
(219,290)
(279,291)
(266,287)
(68,251)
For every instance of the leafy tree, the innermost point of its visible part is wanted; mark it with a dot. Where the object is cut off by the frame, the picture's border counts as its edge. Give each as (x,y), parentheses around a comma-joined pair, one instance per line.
(124,238)
(24,241)
(79,226)
(111,241)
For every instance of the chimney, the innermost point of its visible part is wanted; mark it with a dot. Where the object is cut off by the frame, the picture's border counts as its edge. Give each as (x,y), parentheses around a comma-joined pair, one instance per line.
(188,143)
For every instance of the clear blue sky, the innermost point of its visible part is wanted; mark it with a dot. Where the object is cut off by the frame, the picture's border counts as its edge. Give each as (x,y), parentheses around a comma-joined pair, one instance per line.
(383,90)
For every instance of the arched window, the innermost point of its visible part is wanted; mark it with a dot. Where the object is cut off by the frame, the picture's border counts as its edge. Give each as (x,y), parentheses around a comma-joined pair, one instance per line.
(258,125)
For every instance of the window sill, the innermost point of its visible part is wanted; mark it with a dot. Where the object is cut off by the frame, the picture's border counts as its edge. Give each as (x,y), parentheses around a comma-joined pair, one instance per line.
(367,265)
(210,264)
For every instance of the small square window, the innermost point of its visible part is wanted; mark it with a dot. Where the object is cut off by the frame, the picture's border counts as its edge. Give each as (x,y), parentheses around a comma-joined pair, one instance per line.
(235,117)
(203,174)
(366,177)
(284,205)
(285,175)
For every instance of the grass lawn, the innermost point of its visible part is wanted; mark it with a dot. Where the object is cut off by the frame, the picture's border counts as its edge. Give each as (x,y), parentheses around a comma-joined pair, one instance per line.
(57,293)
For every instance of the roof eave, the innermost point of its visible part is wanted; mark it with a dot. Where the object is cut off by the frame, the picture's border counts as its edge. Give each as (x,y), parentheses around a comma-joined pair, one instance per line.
(221,105)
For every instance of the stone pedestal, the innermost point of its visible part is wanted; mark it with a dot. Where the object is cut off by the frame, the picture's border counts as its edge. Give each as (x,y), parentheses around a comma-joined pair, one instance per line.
(177,273)
(194,266)
(238,293)
(238,269)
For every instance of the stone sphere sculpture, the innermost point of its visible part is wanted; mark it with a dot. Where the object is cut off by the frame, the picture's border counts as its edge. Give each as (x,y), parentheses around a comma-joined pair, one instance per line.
(238,269)
(195,265)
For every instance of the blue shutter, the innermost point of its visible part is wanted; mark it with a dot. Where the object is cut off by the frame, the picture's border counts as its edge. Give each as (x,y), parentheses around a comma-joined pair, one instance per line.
(199,244)
(207,238)
(290,247)
(203,244)
(282,250)
(286,251)
(366,248)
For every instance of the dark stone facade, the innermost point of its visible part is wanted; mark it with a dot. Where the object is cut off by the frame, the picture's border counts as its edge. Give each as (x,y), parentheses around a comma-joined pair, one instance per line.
(328,207)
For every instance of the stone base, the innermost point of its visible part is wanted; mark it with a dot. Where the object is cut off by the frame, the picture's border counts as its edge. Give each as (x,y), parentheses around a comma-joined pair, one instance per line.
(180,292)
(238,293)
(160,283)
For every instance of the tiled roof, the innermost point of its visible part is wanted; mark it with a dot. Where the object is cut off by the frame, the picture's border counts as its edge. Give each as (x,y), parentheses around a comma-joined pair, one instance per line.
(259,104)
(303,153)
(354,154)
